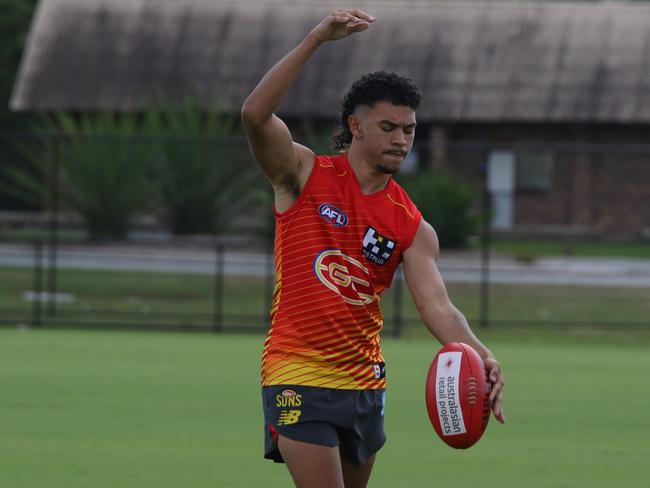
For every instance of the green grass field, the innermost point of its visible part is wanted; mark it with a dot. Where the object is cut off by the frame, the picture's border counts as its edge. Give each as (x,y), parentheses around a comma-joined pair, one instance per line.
(189,299)
(108,409)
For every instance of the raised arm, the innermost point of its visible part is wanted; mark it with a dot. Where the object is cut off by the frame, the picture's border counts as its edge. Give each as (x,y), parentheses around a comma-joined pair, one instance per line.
(439,314)
(285,163)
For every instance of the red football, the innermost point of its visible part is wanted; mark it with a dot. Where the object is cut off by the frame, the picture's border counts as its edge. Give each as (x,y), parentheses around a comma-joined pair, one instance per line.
(457,395)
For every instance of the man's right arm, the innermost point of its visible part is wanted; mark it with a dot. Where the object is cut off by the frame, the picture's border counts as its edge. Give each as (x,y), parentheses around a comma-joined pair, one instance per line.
(270,141)
(285,163)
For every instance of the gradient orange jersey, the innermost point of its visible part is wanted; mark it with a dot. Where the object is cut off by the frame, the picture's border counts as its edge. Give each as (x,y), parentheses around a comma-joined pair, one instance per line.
(336,251)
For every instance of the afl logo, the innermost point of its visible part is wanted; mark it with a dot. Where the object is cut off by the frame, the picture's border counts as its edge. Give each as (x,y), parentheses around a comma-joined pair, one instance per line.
(332,215)
(346,276)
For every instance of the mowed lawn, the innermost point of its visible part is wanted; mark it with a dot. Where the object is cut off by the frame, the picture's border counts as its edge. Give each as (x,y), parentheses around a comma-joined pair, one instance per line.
(129,409)
(183,299)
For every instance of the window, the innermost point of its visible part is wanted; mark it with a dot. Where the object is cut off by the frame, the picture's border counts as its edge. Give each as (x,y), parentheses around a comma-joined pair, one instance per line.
(535,171)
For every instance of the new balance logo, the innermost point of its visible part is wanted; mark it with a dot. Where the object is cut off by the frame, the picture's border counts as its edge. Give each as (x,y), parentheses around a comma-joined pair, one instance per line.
(377,248)
(288,417)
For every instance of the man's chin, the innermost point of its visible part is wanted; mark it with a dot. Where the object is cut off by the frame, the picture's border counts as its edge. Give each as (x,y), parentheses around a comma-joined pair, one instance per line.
(388,170)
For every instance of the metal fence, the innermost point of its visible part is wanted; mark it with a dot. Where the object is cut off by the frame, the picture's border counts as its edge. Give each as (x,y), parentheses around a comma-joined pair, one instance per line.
(52,274)
(228,287)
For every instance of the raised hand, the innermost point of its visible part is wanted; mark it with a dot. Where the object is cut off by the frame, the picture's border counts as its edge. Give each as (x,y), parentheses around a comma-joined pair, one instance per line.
(342,23)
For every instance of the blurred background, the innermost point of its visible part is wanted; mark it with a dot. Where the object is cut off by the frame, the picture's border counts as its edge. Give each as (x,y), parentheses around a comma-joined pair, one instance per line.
(128,196)
(129,202)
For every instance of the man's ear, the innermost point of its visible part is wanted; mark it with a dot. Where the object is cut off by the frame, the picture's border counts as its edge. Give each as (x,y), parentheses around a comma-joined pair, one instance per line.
(354,124)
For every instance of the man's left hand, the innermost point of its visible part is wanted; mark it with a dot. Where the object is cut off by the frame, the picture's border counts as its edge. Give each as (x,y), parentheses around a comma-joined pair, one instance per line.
(495,376)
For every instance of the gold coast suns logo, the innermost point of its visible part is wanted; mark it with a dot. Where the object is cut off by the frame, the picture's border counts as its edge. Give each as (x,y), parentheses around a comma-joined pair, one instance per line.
(346,276)
(289,398)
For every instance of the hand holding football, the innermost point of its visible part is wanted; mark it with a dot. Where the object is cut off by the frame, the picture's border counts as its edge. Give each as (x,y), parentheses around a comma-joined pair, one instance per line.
(457,395)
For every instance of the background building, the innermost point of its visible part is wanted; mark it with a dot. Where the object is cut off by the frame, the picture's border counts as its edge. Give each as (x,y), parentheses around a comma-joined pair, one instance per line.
(552,98)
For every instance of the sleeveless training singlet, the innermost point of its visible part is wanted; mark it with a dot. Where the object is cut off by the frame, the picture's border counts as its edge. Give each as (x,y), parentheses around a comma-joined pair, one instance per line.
(336,250)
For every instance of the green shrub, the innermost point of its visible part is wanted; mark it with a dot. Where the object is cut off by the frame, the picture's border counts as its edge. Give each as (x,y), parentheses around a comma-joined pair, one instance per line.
(446,203)
(190,168)
(102,171)
(202,169)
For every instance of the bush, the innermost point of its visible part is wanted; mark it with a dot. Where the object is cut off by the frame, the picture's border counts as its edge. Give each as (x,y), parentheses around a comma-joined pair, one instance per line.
(446,203)
(202,169)
(189,167)
(102,171)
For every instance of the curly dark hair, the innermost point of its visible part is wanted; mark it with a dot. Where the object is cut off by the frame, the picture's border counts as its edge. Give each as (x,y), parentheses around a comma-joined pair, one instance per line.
(381,86)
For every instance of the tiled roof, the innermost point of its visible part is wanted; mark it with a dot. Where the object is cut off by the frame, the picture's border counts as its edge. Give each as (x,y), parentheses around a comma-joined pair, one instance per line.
(475,61)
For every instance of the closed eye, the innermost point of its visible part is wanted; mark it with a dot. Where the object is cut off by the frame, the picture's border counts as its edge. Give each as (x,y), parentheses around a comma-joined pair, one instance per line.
(389,127)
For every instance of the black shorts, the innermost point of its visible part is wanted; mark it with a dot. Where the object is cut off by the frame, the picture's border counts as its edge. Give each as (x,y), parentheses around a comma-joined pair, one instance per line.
(350,419)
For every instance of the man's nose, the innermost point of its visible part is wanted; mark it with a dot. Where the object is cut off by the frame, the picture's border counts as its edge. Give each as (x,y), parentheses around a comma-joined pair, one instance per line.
(399,138)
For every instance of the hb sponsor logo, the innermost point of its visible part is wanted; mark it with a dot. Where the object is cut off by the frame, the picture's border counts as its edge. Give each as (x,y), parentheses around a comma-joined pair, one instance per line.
(345,276)
(333,215)
(377,248)
(288,398)
(447,393)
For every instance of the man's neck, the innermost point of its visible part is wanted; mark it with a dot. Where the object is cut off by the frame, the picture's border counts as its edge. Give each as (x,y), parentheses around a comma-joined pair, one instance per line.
(370,179)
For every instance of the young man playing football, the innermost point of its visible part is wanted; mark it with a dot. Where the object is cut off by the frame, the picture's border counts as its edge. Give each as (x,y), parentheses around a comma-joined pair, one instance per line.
(343,225)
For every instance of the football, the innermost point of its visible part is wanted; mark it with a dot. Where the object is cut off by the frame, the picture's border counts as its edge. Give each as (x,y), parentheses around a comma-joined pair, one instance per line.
(457,395)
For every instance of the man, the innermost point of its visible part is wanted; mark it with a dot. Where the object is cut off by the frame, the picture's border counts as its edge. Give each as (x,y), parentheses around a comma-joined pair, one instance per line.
(342,227)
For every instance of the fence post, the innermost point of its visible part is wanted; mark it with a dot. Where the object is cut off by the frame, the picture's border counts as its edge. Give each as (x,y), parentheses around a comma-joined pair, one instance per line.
(53,225)
(217,317)
(397,305)
(484,319)
(37,284)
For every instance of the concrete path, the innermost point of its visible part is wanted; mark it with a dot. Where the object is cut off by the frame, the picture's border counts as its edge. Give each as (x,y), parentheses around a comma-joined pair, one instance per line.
(455,267)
